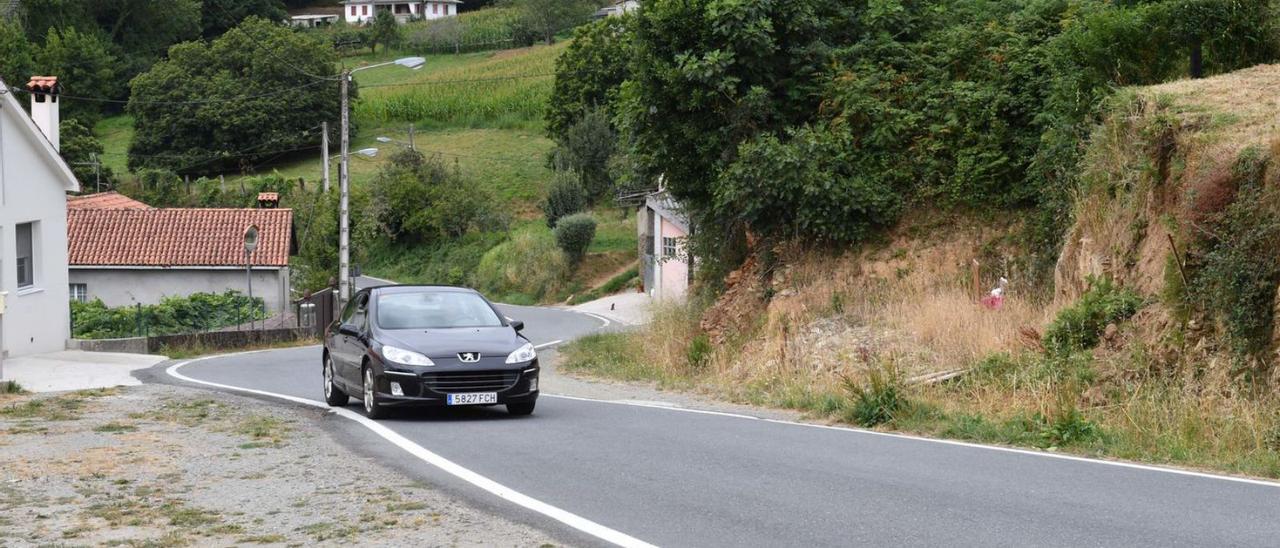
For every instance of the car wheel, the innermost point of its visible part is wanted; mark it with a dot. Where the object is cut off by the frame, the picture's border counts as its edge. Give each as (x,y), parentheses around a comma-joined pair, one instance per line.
(333,395)
(521,409)
(372,408)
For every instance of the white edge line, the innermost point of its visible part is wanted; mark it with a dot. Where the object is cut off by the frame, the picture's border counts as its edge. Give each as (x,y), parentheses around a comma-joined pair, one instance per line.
(1060,456)
(501,491)
(596,316)
(544,345)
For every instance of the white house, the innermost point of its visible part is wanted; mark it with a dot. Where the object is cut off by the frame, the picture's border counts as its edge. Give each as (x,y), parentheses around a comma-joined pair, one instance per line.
(34,181)
(362,11)
(125,252)
(664,256)
(618,8)
(313,20)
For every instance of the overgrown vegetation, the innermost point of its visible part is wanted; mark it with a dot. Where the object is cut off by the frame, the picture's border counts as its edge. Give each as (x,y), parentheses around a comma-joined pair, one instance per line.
(173,315)
(1080,326)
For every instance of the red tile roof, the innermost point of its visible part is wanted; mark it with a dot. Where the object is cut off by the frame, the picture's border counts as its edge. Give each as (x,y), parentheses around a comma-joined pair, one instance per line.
(176,237)
(104,200)
(268,196)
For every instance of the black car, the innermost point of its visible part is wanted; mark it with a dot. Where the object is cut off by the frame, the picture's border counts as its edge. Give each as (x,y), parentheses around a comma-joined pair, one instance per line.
(428,346)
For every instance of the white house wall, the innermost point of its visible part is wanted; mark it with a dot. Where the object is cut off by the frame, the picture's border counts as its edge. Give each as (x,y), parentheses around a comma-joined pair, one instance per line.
(127,287)
(363,13)
(36,319)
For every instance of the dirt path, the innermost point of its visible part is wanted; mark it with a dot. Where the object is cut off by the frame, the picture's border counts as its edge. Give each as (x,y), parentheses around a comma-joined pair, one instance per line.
(159,465)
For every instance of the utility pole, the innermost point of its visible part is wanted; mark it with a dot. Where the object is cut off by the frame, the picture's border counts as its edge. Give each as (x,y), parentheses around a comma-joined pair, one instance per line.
(344,218)
(324,150)
(411,147)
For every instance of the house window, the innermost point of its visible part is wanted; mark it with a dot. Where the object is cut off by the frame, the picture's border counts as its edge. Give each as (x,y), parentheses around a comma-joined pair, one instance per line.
(80,292)
(353,11)
(364,10)
(26,255)
(435,9)
(668,247)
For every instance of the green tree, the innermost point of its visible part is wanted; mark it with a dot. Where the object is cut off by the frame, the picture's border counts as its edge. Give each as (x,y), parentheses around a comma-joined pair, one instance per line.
(574,235)
(224,104)
(707,75)
(86,66)
(548,17)
(219,16)
(417,199)
(17,62)
(585,149)
(589,73)
(384,30)
(82,151)
(565,197)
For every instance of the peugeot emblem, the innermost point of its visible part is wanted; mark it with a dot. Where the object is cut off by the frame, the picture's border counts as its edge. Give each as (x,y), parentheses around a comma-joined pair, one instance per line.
(469,357)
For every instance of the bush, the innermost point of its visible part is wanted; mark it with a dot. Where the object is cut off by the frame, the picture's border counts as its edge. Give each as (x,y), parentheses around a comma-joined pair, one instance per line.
(699,351)
(878,401)
(565,198)
(1079,326)
(585,148)
(574,235)
(526,269)
(173,315)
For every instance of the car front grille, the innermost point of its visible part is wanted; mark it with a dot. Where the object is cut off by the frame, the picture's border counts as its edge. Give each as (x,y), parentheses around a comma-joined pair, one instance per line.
(471,381)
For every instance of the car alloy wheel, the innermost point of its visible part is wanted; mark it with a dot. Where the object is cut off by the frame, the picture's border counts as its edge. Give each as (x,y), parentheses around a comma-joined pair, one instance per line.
(328,378)
(368,391)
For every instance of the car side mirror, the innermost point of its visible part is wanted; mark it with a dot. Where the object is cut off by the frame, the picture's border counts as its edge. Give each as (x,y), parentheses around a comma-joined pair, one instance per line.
(347,329)
(517,325)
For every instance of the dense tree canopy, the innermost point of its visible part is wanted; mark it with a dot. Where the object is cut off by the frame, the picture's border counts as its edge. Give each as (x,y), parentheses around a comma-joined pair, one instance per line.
(823,119)
(593,68)
(17,60)
(546,18)
(219,16)
(85,66)
(210,104)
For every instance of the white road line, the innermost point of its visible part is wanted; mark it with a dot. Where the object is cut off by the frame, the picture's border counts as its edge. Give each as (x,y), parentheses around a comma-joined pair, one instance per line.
(596,316)
(1120,464)
(501,491)
(544,345)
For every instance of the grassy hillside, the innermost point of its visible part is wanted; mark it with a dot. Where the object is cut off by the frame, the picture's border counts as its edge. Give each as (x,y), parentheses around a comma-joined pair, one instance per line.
(480,112)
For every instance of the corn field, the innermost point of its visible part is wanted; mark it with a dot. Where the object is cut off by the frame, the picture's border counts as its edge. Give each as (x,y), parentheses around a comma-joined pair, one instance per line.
(507,89)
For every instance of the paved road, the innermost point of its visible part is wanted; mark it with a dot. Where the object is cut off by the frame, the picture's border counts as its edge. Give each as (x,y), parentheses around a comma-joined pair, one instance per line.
(676,478)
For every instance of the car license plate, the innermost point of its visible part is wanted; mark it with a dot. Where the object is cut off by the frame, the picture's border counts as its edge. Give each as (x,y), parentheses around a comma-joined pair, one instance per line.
(481,398)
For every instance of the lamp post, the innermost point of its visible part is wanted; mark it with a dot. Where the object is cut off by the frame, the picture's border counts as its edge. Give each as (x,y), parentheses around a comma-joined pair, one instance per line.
(250,245)
(344,177)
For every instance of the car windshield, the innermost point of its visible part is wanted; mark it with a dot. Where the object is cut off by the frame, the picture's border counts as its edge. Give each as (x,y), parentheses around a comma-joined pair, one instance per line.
(435,310)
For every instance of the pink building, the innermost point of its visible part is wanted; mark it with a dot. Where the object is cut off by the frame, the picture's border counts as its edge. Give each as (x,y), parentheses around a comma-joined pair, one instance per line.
(664,257)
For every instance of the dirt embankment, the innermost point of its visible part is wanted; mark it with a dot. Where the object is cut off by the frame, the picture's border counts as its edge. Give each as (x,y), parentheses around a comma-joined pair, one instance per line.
(167,466)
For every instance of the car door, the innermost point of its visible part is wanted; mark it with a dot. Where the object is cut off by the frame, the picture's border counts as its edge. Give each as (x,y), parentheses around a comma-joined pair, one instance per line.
(353,341)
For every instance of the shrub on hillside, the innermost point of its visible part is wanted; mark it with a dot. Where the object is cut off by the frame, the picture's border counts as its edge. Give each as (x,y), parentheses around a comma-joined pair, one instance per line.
(1080,326)
(574,235)
(565,198)
(416,199)
(525,269)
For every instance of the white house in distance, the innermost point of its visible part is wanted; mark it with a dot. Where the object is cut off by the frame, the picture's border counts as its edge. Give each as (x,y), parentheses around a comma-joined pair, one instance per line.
(34,315)
(618,8)
(664,257)
(362,11)
(125,252)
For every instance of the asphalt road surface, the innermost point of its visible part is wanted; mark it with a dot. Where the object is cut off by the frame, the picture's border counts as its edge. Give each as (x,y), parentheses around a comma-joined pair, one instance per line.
(678,478)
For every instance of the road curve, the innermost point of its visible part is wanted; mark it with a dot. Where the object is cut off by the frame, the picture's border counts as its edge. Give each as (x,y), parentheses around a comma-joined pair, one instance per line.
(673,477)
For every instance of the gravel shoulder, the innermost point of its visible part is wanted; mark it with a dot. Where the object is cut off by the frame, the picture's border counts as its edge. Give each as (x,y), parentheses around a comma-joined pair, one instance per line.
(160,465)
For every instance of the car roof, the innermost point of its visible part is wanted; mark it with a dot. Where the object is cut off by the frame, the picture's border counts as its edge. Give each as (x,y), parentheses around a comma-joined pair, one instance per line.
(411,288)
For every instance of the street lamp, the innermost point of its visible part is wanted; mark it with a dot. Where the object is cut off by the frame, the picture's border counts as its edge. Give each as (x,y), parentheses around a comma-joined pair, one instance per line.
(250,245)
(344,176)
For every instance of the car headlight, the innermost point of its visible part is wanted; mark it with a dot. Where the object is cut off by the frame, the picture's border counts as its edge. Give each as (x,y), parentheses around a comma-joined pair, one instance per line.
(406,357)
(523,354)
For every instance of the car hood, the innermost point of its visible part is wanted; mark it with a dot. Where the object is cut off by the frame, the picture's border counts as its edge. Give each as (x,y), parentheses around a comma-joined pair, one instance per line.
(447,343)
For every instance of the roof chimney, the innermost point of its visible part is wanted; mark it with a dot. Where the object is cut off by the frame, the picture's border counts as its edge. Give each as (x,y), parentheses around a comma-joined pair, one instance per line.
(44,106)
(268,200)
